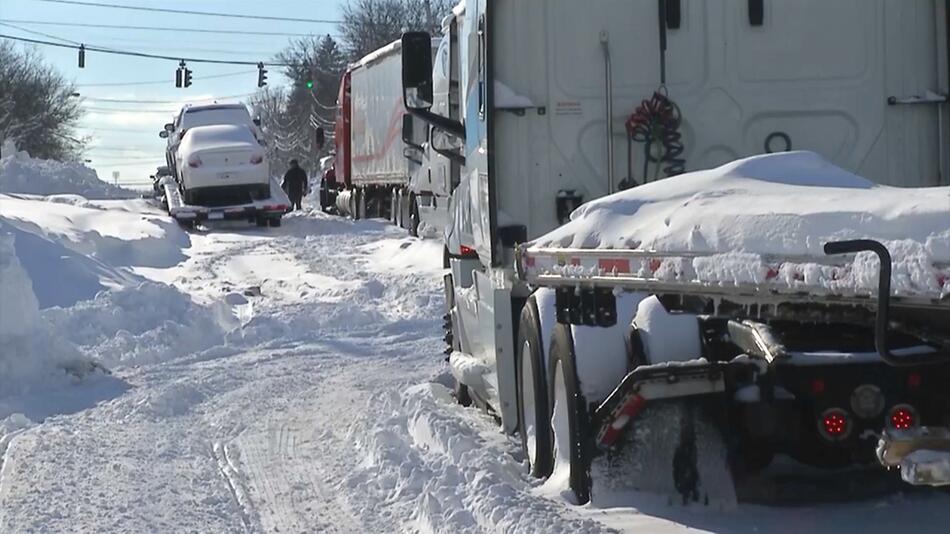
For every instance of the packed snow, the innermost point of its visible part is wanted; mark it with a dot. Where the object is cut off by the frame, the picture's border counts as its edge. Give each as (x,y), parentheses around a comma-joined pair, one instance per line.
(242,379)
(19,173)
(750,212)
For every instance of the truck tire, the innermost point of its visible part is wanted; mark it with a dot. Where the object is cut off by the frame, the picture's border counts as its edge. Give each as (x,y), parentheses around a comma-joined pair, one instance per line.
(413,222)
(393,207)
(361,195)
(534,409)
(570,420)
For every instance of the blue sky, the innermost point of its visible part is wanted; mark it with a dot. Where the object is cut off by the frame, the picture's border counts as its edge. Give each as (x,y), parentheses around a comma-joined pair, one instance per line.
(126,140)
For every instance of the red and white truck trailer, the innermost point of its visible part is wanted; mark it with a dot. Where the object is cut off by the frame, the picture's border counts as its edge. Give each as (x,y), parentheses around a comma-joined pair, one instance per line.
(379,146)
(372,171)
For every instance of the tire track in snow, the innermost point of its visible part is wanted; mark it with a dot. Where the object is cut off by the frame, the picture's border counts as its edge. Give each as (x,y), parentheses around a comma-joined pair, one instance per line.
(219,452)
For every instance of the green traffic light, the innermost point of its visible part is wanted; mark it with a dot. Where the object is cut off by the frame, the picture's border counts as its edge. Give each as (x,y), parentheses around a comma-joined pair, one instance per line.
(309,84)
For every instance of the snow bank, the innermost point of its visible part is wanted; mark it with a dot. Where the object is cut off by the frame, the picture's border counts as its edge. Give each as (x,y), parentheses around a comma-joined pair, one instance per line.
(147,323)
(424,457)
(32,354)
(786,204)
(19,173)
(119,233)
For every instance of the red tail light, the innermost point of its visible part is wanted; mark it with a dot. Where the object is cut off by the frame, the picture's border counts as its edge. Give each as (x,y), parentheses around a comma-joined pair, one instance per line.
(194,162)
(902,417)
(467,251)
(834,424)
(257,159)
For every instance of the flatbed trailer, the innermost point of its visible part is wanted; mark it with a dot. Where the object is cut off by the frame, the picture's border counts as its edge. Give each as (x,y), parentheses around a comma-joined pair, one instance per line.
(832,378)
(267,212)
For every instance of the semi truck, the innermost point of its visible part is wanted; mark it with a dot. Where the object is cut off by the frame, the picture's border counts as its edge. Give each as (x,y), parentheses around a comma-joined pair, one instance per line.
(561,103)
(382,160)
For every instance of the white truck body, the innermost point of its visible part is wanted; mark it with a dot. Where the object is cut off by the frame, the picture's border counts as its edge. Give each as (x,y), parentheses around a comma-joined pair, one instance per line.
(377,111)
(545,89)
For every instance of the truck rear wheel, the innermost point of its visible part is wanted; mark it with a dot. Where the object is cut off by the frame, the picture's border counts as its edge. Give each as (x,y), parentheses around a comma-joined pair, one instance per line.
(413,223)
(361,203)
(534,412)
(570,421)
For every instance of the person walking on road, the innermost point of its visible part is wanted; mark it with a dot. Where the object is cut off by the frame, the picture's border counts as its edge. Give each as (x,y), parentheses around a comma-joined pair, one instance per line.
(295,183)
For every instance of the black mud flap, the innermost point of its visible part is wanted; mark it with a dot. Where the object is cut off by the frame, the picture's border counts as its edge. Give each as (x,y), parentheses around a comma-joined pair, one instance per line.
(674,449)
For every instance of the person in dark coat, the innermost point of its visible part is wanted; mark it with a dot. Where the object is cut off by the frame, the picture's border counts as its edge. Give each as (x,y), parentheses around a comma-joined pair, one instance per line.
(295,183)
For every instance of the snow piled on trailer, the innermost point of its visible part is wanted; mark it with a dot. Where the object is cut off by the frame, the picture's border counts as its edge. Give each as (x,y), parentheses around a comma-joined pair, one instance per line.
(786,204)
(19,173)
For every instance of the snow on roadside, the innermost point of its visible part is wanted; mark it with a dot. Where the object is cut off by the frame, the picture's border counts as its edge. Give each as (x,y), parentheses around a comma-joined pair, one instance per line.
(19,173)
(147,323)
(33,355)
(431,460)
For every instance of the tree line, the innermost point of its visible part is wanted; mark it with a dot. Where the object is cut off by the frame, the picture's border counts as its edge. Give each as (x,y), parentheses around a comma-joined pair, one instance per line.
(38,113)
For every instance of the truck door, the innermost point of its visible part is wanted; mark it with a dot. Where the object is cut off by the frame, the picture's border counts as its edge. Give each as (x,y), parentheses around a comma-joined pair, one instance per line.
(917,115)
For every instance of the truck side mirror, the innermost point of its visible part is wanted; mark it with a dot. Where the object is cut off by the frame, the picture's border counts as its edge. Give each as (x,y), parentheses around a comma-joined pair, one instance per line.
(407,129)
(417,70)
(169,127)
(163,134)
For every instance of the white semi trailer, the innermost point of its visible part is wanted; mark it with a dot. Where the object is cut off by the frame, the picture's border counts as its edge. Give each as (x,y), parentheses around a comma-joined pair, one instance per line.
(378,149)
(562,102)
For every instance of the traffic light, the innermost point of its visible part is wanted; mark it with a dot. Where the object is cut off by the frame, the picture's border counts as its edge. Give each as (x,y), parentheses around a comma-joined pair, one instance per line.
(82,56)
(309,84)
(261,75)
(187,77)
(178,77)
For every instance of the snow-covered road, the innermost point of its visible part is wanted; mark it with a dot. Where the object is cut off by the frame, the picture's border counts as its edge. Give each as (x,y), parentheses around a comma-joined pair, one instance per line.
(313,413)
(301,391)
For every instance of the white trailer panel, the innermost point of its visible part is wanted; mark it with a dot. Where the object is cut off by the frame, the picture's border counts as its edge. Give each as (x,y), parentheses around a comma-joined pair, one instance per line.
(377,111)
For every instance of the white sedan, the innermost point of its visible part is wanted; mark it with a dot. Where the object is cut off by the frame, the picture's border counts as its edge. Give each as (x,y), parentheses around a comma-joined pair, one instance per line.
(222,164)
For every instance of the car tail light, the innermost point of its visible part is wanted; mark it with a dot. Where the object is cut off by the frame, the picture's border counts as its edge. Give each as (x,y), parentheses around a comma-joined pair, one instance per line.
(194,161)
(902,417)
(467,251)
(834,424)
(257,159)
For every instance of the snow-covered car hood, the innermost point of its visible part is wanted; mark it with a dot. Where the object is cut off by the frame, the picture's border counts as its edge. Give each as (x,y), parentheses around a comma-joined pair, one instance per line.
(781,204)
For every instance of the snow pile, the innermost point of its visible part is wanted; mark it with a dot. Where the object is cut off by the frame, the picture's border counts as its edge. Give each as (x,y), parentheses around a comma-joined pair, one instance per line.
(33,354)
(118,233)
(149,323)
(19,173)
(751,211)
(419,460)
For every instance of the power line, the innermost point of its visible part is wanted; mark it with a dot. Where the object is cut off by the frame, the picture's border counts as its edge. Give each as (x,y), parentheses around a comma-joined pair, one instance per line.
(165,81)
(158,28)
(140,54)
(167,50)
(186,12)
(41,34)
(183,101)
(99,111)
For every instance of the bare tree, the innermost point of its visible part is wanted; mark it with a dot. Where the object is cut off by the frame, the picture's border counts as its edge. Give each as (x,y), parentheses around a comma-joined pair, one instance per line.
(370,24)
(36,110)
